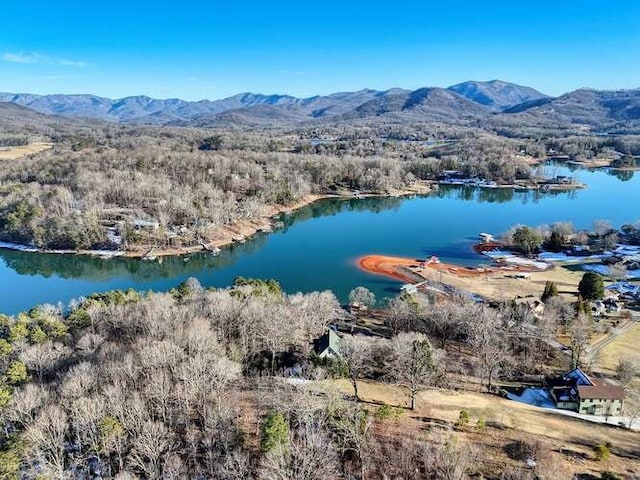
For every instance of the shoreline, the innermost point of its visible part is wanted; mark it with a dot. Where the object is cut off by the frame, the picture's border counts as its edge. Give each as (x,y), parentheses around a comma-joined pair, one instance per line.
(225,235)
(497,282)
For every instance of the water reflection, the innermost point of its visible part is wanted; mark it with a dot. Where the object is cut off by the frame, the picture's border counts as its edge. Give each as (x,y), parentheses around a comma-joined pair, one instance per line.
(497,195)
(622,175)
(100,269)
(317,247)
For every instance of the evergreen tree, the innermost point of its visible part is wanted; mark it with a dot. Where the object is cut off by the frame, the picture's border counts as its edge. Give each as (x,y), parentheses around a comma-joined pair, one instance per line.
(550,290)
(591,287)
(275,432)
(554,242)
(526,239)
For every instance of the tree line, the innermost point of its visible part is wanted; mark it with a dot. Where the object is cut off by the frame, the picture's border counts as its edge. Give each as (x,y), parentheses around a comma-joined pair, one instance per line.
(165,385)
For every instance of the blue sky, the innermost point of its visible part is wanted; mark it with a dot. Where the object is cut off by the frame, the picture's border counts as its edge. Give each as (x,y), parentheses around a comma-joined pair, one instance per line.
(212,49)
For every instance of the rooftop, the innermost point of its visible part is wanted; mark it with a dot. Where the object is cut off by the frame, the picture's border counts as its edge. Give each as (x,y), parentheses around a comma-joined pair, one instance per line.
(602,391)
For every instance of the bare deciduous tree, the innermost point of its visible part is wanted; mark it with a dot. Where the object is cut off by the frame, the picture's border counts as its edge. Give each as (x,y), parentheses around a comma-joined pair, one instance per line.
(46,437)
(25,403)
(309,455)
(355,353)
(449,457)
(445,320)
(579,338)
(627,369)
(150,446)
(42,358)
(413,364)
(490,342)
(362,296)
(399,314)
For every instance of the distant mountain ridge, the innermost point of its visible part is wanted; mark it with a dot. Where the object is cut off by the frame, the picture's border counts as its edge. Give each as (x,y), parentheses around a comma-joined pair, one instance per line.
(586,106)
(497,94)
(461,103)
(146,110)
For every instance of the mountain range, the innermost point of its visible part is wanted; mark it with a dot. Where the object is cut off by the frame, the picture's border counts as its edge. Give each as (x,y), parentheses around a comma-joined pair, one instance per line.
(462,102)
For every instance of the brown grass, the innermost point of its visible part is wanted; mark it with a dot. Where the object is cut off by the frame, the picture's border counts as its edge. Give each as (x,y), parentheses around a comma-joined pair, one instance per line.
(495,283)
(14,153)
(626,346)
(500,285)
(507,421)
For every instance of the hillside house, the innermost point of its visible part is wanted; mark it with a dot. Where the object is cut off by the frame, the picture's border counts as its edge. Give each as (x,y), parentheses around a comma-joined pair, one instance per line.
(600,399)
(598,308)
(146,225)
(535,306)
(328,346)
(578,392)
(612,304)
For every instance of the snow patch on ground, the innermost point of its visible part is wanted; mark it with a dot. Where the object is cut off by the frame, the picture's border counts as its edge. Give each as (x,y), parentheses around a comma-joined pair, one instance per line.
(537,397)
(514,259)
(563,257)
(18,246)
(604,270)
(28,248)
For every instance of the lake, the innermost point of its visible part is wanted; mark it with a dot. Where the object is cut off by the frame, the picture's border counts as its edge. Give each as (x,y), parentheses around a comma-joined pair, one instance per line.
(320,243)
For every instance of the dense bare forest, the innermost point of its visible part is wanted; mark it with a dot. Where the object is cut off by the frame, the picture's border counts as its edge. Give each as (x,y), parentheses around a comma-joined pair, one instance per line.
(176,187)
(225,384)
(199,383)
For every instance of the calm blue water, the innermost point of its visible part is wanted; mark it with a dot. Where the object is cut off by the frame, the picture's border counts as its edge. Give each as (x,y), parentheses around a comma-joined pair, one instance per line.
(320,243)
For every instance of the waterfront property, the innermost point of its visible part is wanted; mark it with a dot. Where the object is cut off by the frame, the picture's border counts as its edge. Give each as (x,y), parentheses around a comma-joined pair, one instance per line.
(316,246)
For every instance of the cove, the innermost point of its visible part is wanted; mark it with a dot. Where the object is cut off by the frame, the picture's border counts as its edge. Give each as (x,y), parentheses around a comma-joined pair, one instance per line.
(320,242)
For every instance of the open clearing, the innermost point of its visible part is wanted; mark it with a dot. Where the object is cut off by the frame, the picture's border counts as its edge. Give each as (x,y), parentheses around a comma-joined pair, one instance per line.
(626,346)
(491,282)
(502,285)
(14,153)
(508,420)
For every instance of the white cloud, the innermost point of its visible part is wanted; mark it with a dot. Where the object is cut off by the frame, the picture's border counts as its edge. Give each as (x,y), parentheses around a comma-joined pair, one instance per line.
(32,58)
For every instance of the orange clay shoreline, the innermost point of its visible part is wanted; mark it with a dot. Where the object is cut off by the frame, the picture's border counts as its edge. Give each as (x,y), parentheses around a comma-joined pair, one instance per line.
(392,267)
(387,266)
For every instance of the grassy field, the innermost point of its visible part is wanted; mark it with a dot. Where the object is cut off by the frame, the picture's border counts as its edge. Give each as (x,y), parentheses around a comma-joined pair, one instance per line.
(502,286)
(626,345)
(14,153)
(570,440)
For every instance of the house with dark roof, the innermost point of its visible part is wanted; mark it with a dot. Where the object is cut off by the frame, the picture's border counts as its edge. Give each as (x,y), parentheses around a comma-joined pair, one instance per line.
(578,392)
(328,346)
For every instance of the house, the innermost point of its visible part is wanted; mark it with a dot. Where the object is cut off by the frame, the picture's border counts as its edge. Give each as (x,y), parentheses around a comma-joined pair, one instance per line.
(598,308)
(356,308)
(612,304)
(328,346)
(601,399)
(486,237)
(564,179)
(578,392)
(535,306)
(149,225)
(409,289)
